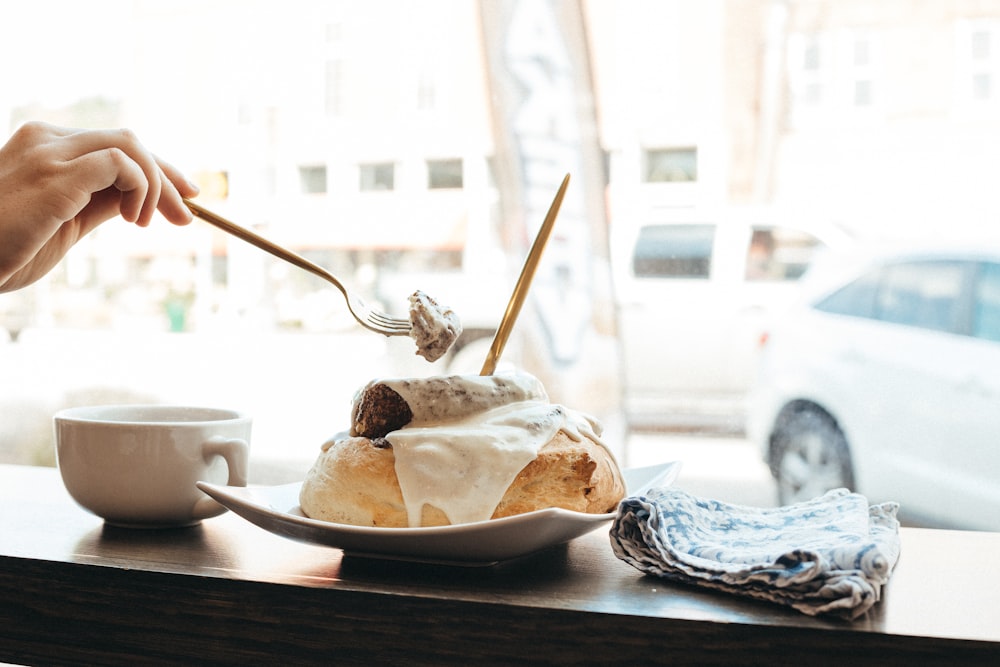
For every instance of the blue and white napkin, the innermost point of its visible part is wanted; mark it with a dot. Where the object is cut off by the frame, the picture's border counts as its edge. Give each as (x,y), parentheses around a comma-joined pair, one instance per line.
(829,555)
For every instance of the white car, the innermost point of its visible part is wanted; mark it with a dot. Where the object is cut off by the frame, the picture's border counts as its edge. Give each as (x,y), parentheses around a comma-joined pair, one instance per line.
(694,292)
(886,380)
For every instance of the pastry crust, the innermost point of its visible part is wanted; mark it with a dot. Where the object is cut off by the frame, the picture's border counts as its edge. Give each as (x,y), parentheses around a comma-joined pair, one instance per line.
(354,482)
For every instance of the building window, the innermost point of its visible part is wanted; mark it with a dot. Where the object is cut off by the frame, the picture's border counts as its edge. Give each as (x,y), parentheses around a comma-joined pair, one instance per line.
(982,87)
(832,73)
(312,179)
(377,176)
(862,72)
(983,65)
(426,92)
(443,174)
(334,88)
(670,165)
(333,71)
(808,65)
(862,93)
(978,63)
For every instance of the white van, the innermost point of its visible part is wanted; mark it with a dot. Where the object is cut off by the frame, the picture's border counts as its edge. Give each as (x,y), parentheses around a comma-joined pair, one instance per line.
(694,292)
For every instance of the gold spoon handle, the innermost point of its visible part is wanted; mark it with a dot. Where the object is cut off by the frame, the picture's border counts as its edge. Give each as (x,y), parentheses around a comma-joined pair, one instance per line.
(523,283)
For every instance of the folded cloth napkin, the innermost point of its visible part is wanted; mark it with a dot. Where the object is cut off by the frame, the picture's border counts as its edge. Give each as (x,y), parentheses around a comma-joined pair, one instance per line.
(828,555)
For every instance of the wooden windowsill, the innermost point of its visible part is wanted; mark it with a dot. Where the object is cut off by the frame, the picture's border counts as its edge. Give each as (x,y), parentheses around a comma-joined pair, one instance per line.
(74,591)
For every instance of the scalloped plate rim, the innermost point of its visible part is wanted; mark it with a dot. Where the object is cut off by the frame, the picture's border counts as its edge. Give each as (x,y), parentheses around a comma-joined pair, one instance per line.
(275,509)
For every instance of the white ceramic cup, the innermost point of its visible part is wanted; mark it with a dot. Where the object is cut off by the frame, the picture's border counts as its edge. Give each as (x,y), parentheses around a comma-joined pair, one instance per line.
(137,465)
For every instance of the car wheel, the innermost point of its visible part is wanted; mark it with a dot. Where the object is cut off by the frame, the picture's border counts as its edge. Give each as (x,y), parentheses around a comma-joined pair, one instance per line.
(809,456)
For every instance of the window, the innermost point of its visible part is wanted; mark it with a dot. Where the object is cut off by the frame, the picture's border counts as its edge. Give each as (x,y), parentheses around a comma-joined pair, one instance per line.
(674,251)
(442,174)
(377,176)
(426,92)
(856,299)
(334,87)
(922,294)
(832,73)
(861,73)
(333,73)
(808,74)
(312,179)
(978,64)
(670,165)
(928,295)
(779,253)
(986,309)
(983,63)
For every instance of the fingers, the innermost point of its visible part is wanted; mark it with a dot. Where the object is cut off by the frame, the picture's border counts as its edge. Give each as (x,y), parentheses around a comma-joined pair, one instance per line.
(138,203)
(176,188)
(185,188)
(121,160)
(110,167)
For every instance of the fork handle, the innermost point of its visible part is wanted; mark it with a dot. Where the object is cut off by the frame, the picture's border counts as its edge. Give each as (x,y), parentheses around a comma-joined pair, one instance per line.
(264,244)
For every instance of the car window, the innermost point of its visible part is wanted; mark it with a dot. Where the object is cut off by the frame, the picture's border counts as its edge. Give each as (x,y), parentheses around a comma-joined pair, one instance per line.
(779,253)
(923,294)
(986,315)
(857,298)
(674,251)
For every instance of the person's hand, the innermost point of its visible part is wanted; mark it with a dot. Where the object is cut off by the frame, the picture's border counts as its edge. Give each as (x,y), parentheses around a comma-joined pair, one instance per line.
(58,184)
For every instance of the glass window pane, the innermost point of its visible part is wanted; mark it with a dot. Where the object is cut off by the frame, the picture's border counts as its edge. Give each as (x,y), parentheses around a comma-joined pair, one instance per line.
(856,299)
(377,176)
(674,251)
(986,313)
(862,93)
(334,91)
(444,174)
(312,179)
(862,53)
(982,86)
(811,55)
(980,44)
(779,253)
(671,165)
(923,294)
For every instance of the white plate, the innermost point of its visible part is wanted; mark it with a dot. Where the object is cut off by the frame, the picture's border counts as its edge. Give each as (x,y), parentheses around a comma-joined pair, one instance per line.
(276,509)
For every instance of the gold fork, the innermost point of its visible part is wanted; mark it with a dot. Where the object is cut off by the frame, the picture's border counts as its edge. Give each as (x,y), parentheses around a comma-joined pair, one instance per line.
(366,316)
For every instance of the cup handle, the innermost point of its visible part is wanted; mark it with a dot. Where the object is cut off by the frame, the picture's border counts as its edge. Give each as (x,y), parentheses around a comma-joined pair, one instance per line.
(235,451)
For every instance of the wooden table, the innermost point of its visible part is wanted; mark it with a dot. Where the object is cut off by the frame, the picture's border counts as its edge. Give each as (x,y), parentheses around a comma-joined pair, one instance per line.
(227,592)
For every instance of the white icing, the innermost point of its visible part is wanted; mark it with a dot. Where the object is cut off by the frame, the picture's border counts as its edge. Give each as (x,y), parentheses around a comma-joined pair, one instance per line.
(464,466)
(438,399)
